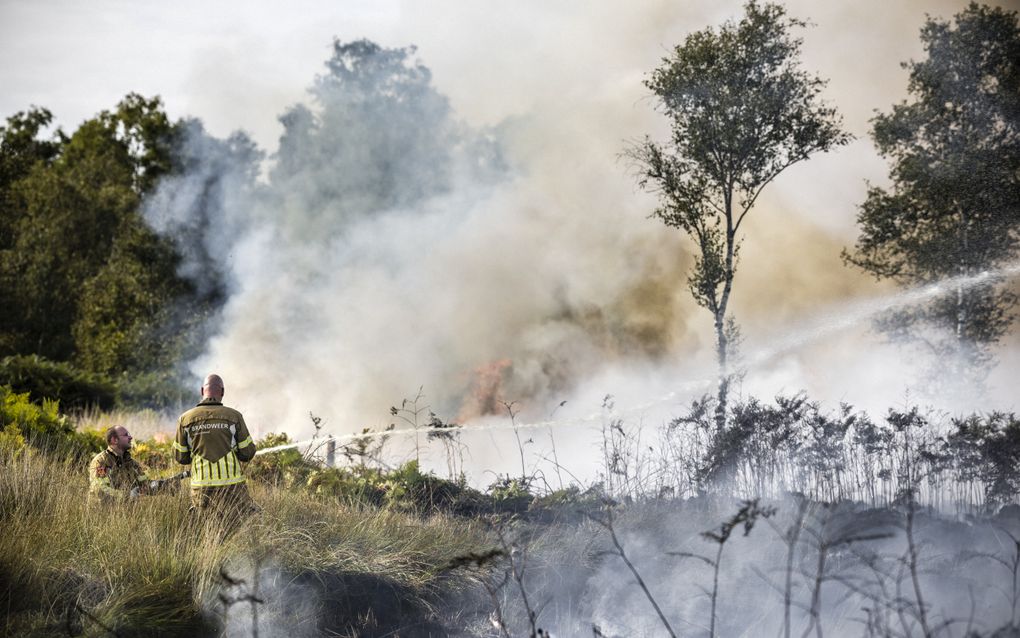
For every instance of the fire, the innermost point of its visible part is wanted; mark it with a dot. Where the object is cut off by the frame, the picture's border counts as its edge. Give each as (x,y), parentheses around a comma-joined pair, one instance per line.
(485,395)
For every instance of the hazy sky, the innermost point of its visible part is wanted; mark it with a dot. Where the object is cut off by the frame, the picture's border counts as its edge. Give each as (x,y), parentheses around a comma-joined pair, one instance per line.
(569,74)
(238,65)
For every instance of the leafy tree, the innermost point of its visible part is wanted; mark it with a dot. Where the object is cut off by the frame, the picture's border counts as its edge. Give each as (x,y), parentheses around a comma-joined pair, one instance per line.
(87,279)
(20,150)
(378,137)
(952,209)
(741,111)
(69,215)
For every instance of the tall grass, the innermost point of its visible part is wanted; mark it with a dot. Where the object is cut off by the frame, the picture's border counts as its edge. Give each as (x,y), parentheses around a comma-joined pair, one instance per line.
(142,424)
(150,568)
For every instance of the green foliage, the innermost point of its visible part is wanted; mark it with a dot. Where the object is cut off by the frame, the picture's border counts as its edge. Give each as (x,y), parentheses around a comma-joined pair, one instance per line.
(511,493)
(20,151)
(404,489)
(12,441)
(83,278)
(954,150)
(284,468)
(69,214)
(570,502)
(156,389)
(157,456)
(61,382)
(380,140)
(41,426)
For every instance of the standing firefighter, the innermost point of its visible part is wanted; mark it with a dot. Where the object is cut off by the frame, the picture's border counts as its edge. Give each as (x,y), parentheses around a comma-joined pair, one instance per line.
(214,440)
(113,475)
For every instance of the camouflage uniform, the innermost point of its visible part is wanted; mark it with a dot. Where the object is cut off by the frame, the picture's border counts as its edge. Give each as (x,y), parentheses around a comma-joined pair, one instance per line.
(214,440)
(111,476)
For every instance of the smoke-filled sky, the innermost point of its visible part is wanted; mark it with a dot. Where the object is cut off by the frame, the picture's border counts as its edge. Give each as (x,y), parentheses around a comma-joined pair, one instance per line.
(545,283)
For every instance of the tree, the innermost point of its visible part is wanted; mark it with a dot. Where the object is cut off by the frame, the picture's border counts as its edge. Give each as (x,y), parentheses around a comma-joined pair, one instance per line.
(68,215)
(378,137)
(741,112)
(21,149)
(953,209)
(83,277)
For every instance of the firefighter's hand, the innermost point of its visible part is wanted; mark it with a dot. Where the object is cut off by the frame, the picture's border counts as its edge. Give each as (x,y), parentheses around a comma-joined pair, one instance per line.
(133,494)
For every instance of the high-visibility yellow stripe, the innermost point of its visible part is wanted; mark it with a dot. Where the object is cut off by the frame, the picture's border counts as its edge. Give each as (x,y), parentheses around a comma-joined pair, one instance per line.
(244,443)
(225,471)
(219,483)
(179,447)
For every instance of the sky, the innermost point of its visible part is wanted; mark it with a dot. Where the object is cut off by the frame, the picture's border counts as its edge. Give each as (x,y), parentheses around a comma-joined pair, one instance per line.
(563,81)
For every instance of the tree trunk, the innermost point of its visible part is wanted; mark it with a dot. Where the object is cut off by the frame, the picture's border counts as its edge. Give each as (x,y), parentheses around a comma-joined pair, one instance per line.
(963,271)
(722,346)
(722,340)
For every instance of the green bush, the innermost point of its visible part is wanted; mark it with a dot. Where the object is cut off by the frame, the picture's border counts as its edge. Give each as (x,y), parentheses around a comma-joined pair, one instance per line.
(23,422)
(157,456)
(511,494)
(285,468)
(43,379)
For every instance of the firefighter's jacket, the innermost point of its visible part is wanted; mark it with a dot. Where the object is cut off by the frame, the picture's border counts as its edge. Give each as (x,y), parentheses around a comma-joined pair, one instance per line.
(214,440)
(111,476)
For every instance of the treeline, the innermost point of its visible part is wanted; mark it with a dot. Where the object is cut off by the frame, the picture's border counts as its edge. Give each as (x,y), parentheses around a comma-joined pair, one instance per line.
(95,306)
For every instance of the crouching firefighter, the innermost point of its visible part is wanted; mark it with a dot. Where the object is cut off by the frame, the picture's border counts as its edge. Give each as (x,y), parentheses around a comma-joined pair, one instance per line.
(214,440)
(114,476)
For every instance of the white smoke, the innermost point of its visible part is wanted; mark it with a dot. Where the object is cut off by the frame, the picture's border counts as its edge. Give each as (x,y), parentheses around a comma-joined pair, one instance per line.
(490,245)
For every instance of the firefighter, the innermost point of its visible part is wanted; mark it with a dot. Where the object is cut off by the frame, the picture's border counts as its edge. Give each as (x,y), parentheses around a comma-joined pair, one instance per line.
(113,475)
(214,440)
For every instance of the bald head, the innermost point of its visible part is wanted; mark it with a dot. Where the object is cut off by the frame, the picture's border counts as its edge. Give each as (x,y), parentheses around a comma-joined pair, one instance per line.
(212,387)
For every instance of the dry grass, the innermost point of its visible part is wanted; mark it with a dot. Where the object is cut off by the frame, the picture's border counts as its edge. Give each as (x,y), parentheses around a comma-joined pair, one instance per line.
(147,567)
(142,424)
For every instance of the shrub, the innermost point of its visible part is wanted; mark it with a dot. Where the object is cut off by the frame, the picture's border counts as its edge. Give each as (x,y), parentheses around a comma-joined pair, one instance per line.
(41,426)
(284,468)
(61,382)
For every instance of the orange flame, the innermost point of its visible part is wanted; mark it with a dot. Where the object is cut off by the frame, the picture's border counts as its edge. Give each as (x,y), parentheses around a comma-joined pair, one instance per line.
(486,390)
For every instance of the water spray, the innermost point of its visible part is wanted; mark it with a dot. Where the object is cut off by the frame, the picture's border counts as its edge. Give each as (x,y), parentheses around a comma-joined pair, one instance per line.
(828,324)
(853,314)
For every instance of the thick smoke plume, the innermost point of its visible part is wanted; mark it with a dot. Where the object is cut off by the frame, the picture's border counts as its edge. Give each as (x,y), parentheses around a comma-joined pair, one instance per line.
(504,254)
(394,247)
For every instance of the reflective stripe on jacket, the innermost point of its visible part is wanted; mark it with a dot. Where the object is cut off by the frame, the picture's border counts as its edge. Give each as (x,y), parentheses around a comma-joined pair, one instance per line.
(214,440)
(112,476)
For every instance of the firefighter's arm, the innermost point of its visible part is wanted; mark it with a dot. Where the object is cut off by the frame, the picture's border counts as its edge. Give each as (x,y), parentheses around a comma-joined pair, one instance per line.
(141,473)
(99,482)
(142,481)
(245,444)
(182,446)
(167,484)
